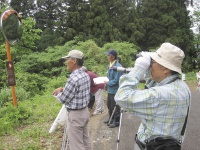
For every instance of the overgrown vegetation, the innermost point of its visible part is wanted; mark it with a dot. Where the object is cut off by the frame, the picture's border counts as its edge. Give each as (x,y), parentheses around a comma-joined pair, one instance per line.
(93,27)
(36,70)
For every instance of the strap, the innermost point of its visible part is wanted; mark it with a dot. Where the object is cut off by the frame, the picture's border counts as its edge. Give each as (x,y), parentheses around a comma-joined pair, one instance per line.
(184,126)
(141,145)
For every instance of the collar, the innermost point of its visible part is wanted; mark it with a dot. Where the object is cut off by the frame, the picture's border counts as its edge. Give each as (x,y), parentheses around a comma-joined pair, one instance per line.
(77,71)
(111,64)
(167,80)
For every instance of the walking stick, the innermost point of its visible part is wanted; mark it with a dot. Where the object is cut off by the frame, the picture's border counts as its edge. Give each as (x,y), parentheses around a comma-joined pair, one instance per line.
(65,139)
(119,128)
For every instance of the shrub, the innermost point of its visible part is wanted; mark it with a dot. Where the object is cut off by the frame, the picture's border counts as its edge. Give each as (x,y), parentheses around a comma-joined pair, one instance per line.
(6,95)
(32,83)
(11,117)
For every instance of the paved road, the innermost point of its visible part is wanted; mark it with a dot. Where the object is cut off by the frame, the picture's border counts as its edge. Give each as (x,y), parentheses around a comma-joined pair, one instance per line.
(105,138)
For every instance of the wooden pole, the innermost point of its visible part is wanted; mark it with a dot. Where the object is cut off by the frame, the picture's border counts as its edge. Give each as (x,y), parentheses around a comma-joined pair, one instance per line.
(12,87)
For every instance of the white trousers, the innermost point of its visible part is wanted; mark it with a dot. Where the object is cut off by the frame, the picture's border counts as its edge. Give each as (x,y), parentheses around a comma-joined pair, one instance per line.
(99,101)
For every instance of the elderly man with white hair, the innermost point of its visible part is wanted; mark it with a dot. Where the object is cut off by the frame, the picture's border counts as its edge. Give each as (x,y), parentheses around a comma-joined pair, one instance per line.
(163,106)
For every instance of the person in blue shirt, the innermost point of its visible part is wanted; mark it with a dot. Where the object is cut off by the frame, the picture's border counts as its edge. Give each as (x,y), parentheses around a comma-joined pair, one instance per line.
(112,86)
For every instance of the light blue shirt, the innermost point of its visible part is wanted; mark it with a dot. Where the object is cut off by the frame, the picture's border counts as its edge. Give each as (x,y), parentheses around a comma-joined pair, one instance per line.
(162,107)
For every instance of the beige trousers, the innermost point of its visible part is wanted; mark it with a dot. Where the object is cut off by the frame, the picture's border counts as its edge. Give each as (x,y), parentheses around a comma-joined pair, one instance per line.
(99,101)
(78,134)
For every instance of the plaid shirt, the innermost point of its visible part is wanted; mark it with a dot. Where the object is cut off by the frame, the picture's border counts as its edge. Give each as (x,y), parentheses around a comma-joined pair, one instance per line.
(76,93)
(162,107)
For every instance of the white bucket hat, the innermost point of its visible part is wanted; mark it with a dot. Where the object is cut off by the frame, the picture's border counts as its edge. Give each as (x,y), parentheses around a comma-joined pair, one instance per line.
(169,56)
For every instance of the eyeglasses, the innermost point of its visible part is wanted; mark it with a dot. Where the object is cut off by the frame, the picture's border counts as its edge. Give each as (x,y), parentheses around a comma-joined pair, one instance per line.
(67,59)
(152,61)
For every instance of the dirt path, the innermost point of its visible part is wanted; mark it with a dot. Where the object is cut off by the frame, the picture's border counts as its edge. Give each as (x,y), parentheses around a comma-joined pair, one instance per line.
(104,138)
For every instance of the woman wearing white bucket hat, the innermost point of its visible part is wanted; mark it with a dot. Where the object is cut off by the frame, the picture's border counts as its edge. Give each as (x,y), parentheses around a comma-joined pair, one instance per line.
(163,106)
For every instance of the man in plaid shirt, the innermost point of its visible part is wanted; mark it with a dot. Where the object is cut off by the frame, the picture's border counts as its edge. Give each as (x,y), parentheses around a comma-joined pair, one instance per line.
(75,95)
(163,105)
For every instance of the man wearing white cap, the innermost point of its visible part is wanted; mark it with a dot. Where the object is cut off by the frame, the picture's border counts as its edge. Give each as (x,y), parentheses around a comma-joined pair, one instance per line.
(75,95)
(164,104)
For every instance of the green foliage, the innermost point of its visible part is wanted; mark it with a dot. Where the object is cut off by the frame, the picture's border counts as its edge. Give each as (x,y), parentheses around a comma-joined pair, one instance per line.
(56,82)
(3,77)
(30,35)
(93,55)
(166,21)
(95,58)
(11,117)
(37,108)
(191,76)
(196,40)
(147,24)
(48,38)
(126,51)
(47,63)
(6,97)
(32,83)
(24,7)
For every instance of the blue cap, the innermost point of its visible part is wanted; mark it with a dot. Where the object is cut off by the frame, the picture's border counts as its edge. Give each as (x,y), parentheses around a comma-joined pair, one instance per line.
(112,52)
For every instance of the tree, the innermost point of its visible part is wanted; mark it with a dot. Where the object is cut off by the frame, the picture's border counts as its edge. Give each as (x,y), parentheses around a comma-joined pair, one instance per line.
(101,20)
(196,24)
(24,7)
(30,35)
(166,21)
(49,18)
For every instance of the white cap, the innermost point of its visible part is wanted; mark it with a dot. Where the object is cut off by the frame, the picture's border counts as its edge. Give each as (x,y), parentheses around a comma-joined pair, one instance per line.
(75,54)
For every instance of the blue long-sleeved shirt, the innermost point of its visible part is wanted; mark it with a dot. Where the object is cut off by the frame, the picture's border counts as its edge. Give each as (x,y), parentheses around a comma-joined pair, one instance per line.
(113,76)
(162,107)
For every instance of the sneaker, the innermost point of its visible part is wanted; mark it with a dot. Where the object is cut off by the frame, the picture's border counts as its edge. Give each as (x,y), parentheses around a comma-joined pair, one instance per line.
(114,124)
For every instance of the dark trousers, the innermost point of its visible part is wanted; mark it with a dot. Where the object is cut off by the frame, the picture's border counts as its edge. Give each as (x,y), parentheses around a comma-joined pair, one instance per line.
(92,100)
(111,104)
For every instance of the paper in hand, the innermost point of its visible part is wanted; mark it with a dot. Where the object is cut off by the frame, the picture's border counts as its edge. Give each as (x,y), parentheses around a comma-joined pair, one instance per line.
(100,80)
